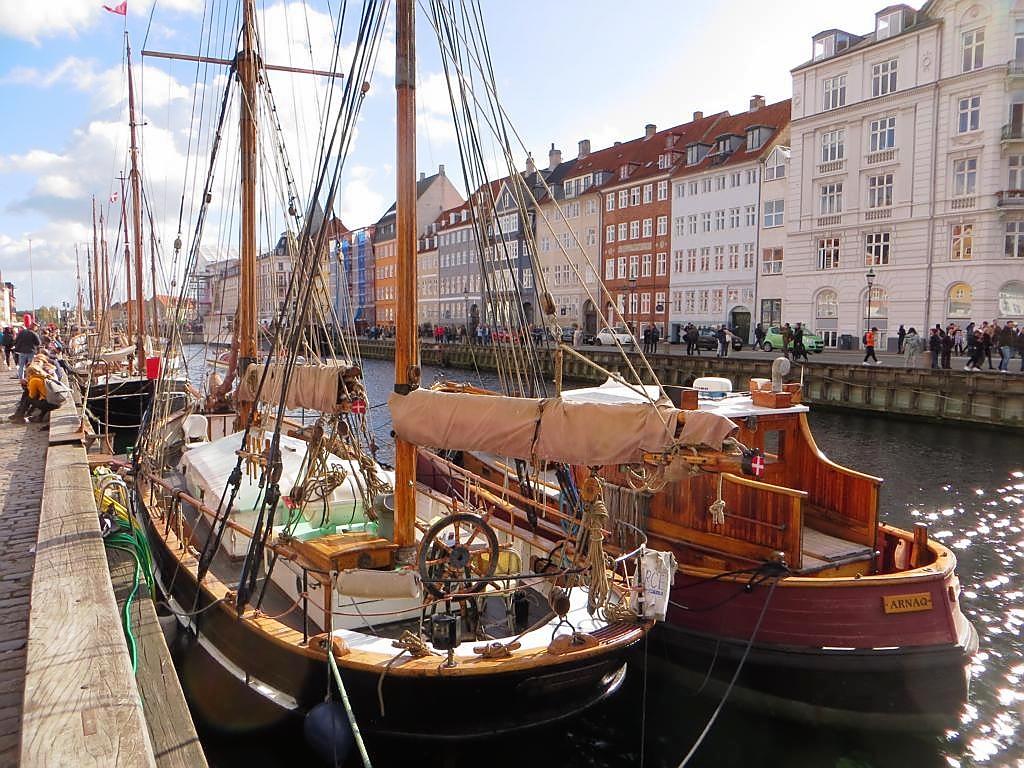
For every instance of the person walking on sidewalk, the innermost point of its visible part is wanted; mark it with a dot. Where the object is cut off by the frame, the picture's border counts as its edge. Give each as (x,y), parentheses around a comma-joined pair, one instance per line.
(869,345)
(8,342)
(901,334)
(759,335)
(799,350)
(26,345)
(947,347)
(913,345)
(1005,341)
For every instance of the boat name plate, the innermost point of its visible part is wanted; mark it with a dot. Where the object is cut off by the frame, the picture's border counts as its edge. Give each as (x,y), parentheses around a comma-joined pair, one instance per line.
(919,601)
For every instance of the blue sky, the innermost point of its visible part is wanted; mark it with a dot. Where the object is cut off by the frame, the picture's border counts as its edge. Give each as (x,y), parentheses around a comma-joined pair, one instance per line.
(566,71)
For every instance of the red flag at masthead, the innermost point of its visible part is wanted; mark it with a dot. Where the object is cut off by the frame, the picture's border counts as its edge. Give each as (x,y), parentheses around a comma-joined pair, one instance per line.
(120,10)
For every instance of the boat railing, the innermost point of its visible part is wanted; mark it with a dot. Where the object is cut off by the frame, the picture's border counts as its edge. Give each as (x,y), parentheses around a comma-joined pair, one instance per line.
(758,519)
(840,501)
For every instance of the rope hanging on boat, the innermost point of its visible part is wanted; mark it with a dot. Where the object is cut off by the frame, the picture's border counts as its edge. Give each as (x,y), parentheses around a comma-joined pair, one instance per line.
(717,508)
(595,516)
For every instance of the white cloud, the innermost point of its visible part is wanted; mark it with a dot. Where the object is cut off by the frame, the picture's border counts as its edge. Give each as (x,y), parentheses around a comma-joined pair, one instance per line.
(360,201)
(37,19)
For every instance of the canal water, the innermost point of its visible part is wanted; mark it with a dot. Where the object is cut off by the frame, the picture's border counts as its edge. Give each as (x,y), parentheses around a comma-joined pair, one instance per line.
(966,483)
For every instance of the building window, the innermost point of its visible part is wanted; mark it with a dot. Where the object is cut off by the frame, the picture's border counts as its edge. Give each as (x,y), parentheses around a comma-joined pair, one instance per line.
(634,266)
(609,202)
(968,114)
(882,134)
(973,42)
(705,259)
(678,262)
(661,264)
(962,242)
(748,255)
(691,260)
(771,261)
(965,176)
(623,198)
(877,306)
(609,233)
(834,92)
(691,188)
(883,78)
(751,215)
(609,269)
(1014,247)
(735,178)
(734,256)
(1016,175)
(775,168)
(888,24)
(634,196)
(648,191)
(623,231)
(880,191)
(705,221)
(828,253)
(634,229)
(719,183)
(648,227)
(771,312)
(645,303)
(734,218)
(663,190)
(620,268)
(719,258)
(826,304)
(958,302)
(1011,299)
(831,198)
(832,146)
(774,213)
(720,220)
(876,249)
(645,265)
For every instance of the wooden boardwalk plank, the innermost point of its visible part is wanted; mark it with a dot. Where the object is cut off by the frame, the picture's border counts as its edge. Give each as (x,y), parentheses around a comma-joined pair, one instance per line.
(81,704)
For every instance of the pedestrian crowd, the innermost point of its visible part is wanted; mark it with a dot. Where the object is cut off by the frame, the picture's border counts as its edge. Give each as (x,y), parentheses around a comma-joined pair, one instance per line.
(978,343)
(37,356)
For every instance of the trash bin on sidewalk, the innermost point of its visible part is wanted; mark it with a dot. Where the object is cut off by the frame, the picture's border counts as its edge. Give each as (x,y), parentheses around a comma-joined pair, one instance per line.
(846,341)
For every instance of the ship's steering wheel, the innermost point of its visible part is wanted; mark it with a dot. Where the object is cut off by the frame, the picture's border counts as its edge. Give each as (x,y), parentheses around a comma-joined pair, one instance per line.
(458,547)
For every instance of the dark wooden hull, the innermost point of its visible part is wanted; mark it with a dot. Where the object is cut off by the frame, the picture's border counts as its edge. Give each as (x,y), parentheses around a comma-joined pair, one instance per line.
(824,654)
(471,706)
(120,406)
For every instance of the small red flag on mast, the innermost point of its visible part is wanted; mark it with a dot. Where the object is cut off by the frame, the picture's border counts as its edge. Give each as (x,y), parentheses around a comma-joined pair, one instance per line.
(120,10)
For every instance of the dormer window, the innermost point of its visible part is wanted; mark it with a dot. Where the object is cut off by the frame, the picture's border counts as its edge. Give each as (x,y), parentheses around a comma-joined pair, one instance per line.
(695,153)
(824,47)
(888,23)
(465,215)
(757,135)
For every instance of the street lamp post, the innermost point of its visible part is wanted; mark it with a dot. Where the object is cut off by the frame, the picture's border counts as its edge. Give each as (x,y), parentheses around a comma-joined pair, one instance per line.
(870,278)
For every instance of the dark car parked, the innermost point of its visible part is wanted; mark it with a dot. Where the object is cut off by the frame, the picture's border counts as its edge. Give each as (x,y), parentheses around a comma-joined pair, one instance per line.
(707,339)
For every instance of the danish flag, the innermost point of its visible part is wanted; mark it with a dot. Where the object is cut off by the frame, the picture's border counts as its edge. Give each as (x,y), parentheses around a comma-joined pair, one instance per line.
(359,407)
(757,465)
(120,10)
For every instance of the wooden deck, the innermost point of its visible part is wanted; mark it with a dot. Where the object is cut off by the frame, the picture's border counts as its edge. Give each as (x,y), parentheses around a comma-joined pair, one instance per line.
(23,454)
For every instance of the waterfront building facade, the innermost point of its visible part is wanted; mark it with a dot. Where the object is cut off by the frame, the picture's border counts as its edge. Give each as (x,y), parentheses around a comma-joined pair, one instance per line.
(714,224)
(427,309)
(459,296)
(770,280)
(907,158)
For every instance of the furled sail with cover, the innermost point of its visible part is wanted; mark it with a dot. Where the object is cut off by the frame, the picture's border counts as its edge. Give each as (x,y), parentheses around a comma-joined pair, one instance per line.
(320,387)
(548,429)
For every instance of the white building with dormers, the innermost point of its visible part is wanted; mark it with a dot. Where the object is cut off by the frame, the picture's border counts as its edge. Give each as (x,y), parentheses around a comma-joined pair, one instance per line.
(714,221)
(908,159)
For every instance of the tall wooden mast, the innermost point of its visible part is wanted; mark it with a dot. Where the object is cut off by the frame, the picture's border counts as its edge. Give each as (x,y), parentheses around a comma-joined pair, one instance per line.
(406,351)
(140,322)
(245,321)
(104,286)
(94,291)
(129,321)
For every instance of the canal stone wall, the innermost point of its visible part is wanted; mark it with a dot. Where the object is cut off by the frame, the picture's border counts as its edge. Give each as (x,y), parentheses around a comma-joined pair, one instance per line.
(992,399)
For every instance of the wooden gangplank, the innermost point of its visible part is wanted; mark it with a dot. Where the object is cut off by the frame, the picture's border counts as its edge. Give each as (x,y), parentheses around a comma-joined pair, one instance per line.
(81,705)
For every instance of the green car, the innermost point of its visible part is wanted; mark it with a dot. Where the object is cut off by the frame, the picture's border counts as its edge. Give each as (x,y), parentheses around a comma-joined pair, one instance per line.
(773,340)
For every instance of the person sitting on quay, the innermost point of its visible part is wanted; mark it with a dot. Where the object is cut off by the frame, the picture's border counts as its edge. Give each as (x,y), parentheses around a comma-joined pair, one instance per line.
(913,345)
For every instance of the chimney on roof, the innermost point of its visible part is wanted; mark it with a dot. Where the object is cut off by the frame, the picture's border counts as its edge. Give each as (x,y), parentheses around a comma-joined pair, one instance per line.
(698,115)
(756,102)
(649,130)
(617,143)
(554,157)
(422,175)
(531,167)
(440,170)
(584,149)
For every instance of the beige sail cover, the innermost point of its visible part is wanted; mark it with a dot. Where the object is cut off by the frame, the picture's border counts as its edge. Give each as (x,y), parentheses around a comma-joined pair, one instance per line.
(549,429)
(311,386)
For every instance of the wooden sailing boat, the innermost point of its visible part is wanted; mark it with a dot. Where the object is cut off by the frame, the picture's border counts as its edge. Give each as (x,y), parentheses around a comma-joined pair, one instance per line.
(272,540)
(786,569)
